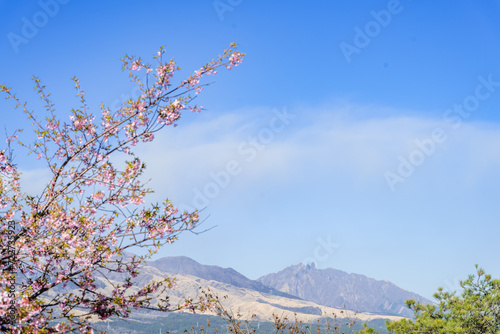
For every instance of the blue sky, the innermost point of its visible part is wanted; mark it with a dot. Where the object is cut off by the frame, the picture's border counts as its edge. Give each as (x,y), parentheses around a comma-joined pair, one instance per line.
(361,136)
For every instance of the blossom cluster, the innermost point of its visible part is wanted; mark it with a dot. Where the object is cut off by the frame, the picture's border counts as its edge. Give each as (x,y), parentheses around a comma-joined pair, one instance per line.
(75,231)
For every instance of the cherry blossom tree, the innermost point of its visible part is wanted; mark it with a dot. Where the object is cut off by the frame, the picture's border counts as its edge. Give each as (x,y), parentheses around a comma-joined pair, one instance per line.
(93,208)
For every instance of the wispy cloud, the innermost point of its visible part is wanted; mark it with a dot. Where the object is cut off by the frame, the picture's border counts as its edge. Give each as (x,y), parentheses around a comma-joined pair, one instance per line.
(327,146)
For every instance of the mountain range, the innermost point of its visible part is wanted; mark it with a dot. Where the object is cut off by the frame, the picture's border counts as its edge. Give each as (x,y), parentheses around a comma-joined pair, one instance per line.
(298,292)
(326,287)
(336,288)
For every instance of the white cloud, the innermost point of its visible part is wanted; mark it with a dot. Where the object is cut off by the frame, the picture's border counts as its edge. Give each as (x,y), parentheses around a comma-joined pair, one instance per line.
(322,145)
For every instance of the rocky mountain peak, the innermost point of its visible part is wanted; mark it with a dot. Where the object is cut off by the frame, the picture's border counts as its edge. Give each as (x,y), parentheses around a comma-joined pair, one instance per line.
(335,288)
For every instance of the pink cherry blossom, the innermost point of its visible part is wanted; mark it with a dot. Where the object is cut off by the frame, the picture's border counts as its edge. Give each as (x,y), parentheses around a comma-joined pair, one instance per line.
(92,206)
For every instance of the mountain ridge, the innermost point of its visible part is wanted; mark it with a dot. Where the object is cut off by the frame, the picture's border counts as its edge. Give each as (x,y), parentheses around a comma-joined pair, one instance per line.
(336,288)
(294,285)
(186,266)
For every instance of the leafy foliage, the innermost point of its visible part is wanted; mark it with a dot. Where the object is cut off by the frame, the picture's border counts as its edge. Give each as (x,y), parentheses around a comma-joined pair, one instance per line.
(476,310)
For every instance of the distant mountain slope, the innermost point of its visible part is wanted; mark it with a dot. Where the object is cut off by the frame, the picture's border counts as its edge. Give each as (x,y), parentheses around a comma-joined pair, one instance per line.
(183,265)
(252,302)
(246,302)
(335,288)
